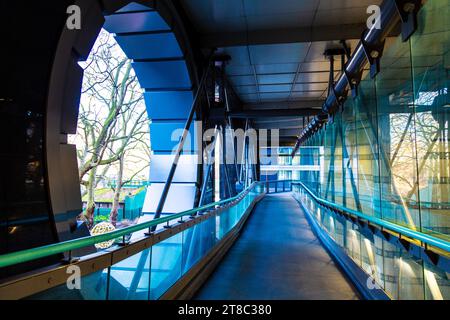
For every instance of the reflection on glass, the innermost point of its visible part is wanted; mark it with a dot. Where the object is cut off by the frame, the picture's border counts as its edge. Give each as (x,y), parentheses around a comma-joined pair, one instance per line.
(387,154)
(129,278)
(165,265)
(430,49)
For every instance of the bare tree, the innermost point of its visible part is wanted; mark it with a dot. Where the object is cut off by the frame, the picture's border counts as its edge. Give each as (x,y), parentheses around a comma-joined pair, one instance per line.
(112,117)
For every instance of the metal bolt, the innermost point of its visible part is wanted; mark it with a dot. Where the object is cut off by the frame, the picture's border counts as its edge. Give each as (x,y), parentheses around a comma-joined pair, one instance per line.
(374,54)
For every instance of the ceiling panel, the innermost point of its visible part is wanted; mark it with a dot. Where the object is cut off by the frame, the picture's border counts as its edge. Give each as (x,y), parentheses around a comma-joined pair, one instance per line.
(308,94)
(277,65)
(239,55)
(342,4)
(242,80)
(245,89)
(315,66)
(274,96)
(210,25)
(275,88)
(249,97)
(216,16)
(280,21)
(261,7)
(276,68)
(278,53)
(340,16)
(236,70)
(314,76)
(276,78)
(310,86)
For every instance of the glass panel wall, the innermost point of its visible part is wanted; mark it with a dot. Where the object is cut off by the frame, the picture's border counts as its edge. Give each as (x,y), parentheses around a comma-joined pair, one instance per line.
(388,266)
(150,273)
(387,154)
(430,53)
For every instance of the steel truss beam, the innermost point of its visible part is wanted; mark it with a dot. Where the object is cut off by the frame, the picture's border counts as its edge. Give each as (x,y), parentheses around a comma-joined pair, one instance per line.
(270,113)
(285,105)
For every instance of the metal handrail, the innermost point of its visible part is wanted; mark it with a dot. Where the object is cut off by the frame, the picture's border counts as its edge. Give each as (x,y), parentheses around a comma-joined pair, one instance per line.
(429,240)
(17,257)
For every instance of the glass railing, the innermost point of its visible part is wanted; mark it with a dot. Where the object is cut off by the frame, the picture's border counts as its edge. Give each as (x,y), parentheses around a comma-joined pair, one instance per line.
(393,268)
(386,153)
(276,186)
(149,265)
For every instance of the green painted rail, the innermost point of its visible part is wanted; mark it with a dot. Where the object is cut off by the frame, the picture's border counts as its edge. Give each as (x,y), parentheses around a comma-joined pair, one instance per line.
(430,240)
(13,258)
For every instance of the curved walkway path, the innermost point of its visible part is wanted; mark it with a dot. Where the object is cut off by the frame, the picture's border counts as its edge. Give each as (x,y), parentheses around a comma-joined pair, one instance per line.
(277,256)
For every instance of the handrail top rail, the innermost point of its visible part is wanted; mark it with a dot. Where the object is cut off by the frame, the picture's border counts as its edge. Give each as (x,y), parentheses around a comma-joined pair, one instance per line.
(425,238)
(13,258)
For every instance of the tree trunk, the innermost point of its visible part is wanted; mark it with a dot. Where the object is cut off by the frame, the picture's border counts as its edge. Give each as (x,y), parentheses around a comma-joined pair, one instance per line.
(117,190)
(90,207)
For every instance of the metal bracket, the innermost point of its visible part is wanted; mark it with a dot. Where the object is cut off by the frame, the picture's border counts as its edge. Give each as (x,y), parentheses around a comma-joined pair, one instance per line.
(433,256)
(373,53)
(353,80)
(386,235)
(404,243)
(407,9)
(340,98)
(372,228)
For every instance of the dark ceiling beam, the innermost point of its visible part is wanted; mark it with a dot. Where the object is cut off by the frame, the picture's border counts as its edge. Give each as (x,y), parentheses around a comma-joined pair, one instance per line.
(289,132)
(291,140)
(290,35)
(277,124)
(285,105)
(272,113)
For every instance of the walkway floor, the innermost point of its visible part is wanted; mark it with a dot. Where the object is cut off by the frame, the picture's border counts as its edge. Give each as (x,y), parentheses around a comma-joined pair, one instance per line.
(277,256)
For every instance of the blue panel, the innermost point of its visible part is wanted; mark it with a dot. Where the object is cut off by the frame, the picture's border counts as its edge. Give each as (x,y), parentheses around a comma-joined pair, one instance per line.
(163,74)
(242,80)
(276,78)
(275,88)
(239,54)
(277,68)
(245,89)
(161,136)
(307,94)
(310,86)
(274,96)
(249,97)
(168,104)
(265,8)
(150,46)
(278,53)
(135,22)
(239,70)
(133,6)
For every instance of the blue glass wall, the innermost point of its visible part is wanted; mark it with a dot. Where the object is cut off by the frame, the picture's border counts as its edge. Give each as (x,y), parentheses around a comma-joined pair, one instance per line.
(387,154)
